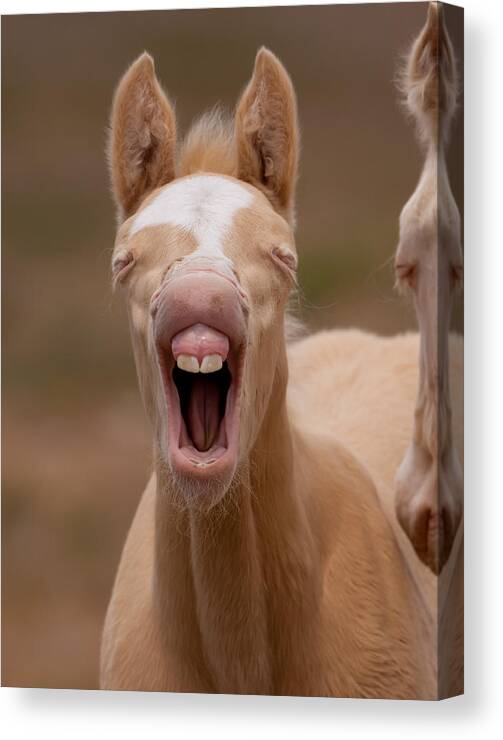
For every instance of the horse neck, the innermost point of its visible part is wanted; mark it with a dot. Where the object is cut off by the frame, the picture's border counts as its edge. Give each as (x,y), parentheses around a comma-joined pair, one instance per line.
(249,576)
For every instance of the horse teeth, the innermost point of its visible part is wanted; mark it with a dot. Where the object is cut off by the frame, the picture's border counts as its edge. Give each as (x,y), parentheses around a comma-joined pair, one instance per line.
(189,363)
(211,364)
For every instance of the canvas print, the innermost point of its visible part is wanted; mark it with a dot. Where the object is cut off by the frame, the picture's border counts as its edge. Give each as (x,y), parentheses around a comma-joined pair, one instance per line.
(232,278)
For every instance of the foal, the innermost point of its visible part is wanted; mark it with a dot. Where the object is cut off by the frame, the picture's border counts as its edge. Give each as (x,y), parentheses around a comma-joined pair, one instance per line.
(262,558)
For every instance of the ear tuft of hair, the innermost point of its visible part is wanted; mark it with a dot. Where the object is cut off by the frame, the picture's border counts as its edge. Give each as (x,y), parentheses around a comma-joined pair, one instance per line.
(428,80)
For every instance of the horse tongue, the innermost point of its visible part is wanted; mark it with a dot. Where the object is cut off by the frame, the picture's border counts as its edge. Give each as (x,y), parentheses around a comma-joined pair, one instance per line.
(203,418)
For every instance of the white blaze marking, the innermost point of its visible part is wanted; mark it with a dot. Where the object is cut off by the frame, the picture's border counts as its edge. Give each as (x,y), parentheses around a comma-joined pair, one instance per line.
(205,206)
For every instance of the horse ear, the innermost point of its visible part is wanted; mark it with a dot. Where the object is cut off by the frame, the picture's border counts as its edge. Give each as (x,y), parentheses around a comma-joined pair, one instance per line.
(143,137)
(429,80)
(267,133)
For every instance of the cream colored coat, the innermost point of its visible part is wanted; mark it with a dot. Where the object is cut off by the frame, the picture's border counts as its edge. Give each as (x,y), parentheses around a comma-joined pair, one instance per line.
(298,580)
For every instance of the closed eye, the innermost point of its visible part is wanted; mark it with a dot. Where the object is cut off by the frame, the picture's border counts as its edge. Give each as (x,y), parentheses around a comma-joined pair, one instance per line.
(284,256)
(405,274)
(456,275)
(122,264)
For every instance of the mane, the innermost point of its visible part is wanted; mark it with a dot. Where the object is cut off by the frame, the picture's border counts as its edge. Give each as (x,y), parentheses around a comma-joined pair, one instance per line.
(209,146)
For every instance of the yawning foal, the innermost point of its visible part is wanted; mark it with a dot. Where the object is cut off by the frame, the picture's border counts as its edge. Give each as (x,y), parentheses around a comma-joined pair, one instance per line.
(260,559)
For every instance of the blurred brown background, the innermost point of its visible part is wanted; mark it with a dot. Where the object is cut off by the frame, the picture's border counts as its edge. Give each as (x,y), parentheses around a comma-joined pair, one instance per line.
(75,441)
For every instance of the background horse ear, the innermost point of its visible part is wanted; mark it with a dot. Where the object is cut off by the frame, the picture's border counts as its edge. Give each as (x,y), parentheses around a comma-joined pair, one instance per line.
(267,134)
(143,137)
(429,80)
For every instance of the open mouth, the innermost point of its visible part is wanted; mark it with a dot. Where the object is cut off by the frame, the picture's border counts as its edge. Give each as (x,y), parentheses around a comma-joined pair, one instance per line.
(203,400)
(201,372)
